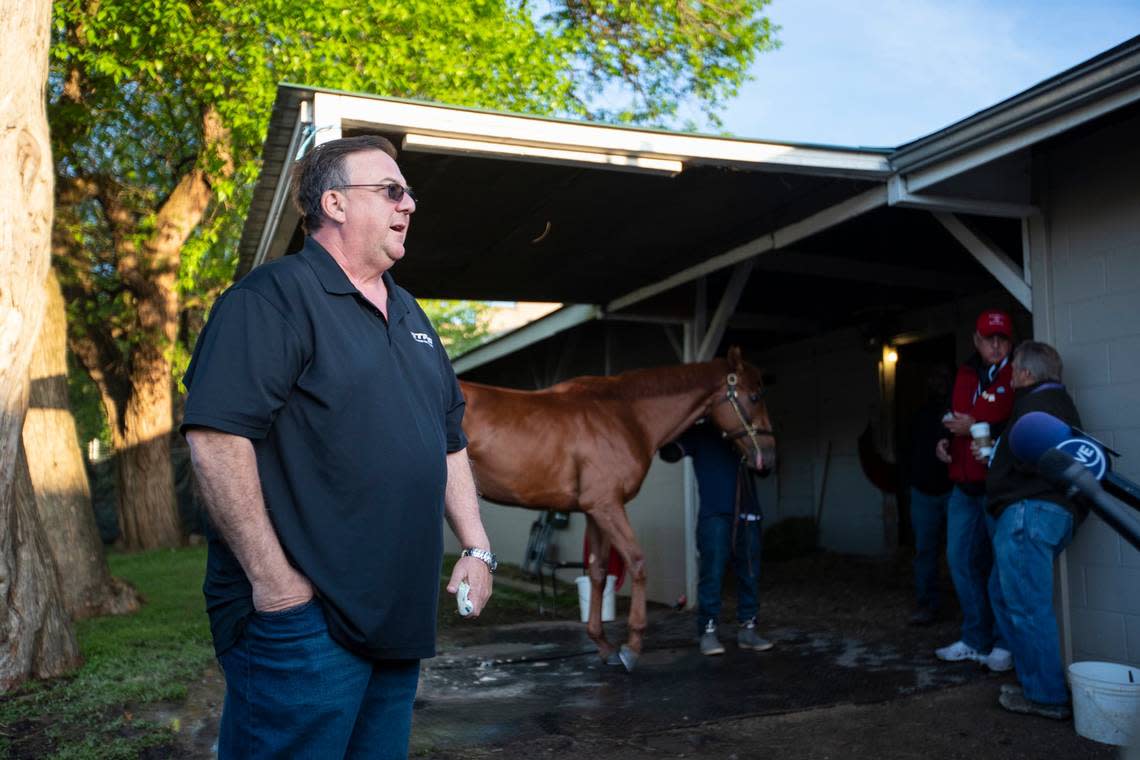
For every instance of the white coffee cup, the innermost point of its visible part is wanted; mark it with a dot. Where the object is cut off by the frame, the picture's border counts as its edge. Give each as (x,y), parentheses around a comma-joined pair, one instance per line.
(980,432)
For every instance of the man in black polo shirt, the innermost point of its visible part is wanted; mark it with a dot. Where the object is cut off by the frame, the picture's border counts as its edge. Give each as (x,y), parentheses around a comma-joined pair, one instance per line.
(1032,522)
(323,418)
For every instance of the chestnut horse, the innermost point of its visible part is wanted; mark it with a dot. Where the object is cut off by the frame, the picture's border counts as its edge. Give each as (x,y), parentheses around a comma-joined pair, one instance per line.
(585,445)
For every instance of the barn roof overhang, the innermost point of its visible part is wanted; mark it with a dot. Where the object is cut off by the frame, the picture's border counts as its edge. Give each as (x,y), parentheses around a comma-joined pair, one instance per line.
(614,220)
(524,208)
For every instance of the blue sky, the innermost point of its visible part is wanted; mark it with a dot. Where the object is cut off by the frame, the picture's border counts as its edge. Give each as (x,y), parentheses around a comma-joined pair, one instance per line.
(885,72)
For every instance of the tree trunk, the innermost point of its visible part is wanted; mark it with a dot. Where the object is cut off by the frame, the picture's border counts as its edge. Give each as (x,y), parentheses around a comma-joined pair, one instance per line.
(59,479)
(35,633)
(148,511)
(136,385)
(35,630)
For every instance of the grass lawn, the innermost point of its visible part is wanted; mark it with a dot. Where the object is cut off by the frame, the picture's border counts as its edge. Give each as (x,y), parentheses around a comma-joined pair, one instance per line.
(129,660)
(133,661)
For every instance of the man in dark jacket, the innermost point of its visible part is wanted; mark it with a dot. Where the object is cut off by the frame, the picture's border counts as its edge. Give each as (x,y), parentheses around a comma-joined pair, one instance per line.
(982,393)
(1033,522)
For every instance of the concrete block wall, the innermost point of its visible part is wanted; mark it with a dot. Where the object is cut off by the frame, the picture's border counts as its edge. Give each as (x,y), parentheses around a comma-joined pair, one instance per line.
(826,391)
(1086,272)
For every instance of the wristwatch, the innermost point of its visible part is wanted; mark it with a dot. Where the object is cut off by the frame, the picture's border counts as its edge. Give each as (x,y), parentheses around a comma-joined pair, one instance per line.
(484,556)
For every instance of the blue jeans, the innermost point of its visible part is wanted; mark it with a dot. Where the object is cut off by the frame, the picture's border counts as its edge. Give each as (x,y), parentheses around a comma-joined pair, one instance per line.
(970,556)
(714,542)
(293,692)
(928,519)
(1028,536)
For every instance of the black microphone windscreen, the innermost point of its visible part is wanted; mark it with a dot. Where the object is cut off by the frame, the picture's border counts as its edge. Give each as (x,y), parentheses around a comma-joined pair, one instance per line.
(1036,432)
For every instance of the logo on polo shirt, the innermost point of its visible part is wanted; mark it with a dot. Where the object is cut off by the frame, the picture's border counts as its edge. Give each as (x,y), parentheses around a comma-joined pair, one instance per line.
(423,338)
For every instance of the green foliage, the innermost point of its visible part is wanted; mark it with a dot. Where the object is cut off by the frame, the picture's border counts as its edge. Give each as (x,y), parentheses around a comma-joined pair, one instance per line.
(145,95)
(658,59)
(86,407)
(461,325)
(129,661)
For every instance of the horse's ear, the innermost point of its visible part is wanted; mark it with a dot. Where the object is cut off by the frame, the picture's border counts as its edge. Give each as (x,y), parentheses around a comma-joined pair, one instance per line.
(735,361)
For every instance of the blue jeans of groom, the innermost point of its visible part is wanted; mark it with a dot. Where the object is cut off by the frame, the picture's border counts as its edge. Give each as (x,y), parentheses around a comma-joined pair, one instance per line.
(714,543)
(1027,538)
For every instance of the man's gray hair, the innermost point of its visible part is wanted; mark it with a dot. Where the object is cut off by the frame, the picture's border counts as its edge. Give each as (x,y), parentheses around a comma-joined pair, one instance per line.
(1039,359)
(322,169)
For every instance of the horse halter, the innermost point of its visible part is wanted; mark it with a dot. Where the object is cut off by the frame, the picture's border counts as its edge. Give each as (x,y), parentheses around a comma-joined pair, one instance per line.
(747,428)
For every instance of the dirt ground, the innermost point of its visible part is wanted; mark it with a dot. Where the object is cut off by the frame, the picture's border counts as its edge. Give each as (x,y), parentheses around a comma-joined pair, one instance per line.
(847,679)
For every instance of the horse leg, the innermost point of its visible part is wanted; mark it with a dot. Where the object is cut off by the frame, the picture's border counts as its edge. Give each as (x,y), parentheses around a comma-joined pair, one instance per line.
(599,556)
(615,524)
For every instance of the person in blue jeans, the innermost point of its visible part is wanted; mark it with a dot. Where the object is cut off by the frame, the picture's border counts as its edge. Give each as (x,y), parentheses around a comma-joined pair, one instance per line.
(981,393)
(728,529)
(929,492)
(327,496)
(1033,522)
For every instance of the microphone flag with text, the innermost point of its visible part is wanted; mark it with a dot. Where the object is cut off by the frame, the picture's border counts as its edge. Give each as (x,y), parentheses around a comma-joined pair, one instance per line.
(1073,460)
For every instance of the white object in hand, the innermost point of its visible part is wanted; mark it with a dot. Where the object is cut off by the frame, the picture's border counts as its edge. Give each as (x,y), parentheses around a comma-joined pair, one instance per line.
(980,431)
(466,607)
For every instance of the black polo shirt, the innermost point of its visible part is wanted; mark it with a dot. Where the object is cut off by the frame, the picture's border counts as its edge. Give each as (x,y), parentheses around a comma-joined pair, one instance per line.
(351,418)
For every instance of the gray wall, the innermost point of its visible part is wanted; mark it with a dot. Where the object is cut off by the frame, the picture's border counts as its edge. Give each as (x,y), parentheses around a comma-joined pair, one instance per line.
(1086,274)
(826,391)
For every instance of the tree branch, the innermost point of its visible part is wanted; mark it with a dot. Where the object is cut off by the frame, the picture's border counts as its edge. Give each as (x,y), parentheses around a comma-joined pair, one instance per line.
(114,387)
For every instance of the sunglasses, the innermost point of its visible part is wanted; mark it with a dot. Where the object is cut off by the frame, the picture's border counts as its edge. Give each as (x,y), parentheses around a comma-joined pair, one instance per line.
(394,190)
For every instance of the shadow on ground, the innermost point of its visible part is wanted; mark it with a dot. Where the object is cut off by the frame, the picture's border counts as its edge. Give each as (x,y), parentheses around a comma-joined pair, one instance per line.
(847,678)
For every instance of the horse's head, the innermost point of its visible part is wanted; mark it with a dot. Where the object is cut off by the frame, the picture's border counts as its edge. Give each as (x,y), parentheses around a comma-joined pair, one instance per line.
(741,415)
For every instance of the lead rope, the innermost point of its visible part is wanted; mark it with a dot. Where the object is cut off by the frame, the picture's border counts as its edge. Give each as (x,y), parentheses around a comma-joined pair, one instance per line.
(742,473)
(736,507)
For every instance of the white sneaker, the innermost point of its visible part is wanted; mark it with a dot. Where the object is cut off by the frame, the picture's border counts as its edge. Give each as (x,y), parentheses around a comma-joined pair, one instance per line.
(998,660)
(956,652)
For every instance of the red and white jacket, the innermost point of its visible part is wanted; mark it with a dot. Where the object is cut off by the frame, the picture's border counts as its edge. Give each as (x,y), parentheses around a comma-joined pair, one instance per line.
(990,402)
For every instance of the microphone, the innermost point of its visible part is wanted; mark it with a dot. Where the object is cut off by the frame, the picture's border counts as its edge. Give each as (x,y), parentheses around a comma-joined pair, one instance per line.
(1061,469)
(1075,461)
(1035,433)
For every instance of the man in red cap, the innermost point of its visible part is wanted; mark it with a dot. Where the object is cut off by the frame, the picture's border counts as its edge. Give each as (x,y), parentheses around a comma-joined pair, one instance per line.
(982,393)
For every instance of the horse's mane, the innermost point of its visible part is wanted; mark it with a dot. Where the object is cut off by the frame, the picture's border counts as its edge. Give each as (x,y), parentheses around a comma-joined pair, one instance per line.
(642,383)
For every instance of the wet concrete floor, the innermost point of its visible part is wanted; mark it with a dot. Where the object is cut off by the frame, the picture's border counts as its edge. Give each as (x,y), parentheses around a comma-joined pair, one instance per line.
(495,686)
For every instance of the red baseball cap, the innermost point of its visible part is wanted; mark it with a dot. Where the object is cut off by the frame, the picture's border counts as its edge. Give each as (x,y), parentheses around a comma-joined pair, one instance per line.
(994,322)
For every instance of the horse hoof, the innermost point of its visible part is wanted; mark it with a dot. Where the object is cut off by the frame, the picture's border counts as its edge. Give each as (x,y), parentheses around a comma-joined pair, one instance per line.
(614,659)
(628,657)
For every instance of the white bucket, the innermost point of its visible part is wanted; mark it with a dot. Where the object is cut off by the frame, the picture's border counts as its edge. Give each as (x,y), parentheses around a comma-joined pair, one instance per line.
(1106,701)
(607,598)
